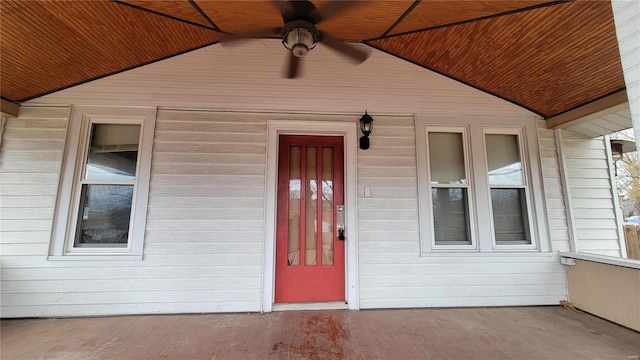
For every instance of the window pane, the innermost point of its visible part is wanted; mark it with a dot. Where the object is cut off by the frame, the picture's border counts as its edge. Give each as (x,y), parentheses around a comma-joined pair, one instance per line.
(113,152)
(104,214)
(451,216)
(510,216)
(503,156)
(446,158)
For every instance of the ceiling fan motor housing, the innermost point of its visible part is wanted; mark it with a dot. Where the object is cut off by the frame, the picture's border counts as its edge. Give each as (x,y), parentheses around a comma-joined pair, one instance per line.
(299,36)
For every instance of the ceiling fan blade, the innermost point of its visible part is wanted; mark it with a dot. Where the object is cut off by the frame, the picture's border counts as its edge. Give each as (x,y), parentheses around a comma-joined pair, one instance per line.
(285,7)
(256,34)
(346,49)
(292,69)
(331,8)
(281,5)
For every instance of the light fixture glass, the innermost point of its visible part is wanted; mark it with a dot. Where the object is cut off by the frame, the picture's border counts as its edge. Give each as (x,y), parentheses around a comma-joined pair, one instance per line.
(299,41)
(618,148)
(616,151)
(366,124)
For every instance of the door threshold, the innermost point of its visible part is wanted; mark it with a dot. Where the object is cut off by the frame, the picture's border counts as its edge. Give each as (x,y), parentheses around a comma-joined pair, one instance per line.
(330,305)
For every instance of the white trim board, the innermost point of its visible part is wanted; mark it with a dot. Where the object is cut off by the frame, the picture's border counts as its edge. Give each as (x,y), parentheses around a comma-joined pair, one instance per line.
(566,190)
(350,133)
(628,263)
(330,305)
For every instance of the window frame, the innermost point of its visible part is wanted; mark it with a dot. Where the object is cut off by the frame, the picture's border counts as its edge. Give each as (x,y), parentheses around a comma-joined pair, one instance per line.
(430,226)
(72,178)
(478,182)
(519,133)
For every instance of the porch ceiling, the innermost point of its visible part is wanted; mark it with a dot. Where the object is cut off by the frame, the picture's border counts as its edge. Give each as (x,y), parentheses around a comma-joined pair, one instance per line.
(549,57)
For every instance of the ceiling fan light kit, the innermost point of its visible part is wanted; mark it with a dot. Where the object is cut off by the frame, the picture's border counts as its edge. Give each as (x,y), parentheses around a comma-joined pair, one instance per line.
(299,36)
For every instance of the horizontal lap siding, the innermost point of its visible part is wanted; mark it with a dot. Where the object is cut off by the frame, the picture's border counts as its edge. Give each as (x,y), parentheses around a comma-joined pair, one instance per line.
(589,182)
(627,16)
(203,248)
(392,273)
(204,230)
(205,221)
(32,152)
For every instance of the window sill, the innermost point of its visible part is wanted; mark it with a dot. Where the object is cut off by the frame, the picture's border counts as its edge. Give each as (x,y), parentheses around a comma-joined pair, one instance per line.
(503,253)
(96,257)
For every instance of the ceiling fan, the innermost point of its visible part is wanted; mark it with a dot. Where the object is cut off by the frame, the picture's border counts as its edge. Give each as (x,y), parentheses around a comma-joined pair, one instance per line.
(300,33)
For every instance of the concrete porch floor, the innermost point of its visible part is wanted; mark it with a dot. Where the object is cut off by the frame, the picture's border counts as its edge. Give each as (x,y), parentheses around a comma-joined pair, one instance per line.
(476,333)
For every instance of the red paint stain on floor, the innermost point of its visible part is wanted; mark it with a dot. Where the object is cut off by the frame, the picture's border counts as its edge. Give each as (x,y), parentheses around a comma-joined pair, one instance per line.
(322,336)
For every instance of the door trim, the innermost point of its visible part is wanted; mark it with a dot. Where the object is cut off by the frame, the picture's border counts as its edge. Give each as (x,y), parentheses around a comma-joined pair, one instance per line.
(335,128)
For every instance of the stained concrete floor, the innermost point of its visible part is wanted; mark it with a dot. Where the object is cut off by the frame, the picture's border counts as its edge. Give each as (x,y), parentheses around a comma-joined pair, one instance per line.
(478,333)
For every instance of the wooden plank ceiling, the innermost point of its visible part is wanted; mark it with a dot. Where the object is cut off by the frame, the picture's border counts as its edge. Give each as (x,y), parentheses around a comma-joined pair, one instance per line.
(549,57)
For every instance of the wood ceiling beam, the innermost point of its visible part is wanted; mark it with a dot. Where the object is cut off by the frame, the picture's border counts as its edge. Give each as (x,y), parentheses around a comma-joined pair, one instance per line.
(9,109)
(588,111)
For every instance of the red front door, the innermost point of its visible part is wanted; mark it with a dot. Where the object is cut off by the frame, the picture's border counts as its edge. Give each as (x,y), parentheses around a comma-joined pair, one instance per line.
(309,254)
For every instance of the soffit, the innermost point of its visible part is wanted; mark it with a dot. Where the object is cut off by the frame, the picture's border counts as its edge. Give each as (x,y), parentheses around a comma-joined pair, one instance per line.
(603,123)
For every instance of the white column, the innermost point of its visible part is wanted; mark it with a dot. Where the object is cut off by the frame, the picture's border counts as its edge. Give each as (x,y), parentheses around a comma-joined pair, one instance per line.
(626,14)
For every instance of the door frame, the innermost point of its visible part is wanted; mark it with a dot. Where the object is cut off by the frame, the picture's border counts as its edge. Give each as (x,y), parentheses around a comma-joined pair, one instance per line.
(349,130)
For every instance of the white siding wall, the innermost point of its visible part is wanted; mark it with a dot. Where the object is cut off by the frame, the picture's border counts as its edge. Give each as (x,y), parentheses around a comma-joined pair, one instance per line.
(32,150)
(203,244)
(392,272)
(204,236)
(626,14)
(591,196)
(206,202)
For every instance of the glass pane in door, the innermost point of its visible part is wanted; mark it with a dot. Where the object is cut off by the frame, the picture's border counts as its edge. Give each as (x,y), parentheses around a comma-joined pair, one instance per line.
(327,206)
(295,163)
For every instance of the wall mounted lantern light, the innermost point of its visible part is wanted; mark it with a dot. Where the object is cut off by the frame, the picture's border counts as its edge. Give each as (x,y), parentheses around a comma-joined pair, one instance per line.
(366,126)
(618,148)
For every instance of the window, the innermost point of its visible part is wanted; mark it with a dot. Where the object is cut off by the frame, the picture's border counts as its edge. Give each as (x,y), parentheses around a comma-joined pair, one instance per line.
(507,189)
(106,186)
(101,209)
(449,185)
(474,185)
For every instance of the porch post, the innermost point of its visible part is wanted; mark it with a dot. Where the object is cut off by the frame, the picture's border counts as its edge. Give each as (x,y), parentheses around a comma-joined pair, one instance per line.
(626,14)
